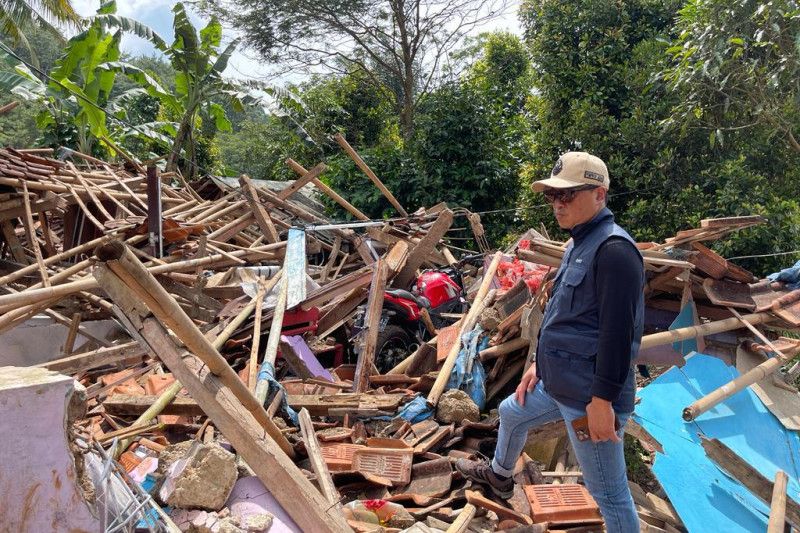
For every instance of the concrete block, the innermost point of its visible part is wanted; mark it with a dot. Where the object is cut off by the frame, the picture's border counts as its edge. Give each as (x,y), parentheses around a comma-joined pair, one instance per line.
(202,479)
(40,478)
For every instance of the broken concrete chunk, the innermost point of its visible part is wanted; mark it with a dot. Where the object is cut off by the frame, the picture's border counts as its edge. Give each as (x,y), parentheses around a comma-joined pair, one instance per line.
(202,479)
(456,405)
(197,521)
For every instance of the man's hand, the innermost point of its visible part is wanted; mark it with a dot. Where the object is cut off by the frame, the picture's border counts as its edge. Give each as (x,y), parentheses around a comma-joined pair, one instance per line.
(526,385)
(601,420)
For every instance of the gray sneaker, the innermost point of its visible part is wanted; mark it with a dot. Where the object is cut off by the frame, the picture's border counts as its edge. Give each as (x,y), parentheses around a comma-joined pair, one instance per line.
(482,473)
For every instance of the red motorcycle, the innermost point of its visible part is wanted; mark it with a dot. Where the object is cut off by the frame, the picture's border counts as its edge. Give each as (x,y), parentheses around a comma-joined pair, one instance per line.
(440,291)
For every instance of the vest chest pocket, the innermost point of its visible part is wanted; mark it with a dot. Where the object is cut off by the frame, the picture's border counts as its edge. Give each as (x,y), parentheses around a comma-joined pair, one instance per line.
(573,276)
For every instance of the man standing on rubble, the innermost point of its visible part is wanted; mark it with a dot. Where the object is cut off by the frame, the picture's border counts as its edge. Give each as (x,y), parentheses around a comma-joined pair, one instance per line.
(590,333)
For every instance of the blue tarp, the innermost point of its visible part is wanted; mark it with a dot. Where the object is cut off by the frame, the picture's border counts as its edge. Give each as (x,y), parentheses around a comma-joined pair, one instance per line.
(790,276)
(703,495)
(267,373)
(468,374)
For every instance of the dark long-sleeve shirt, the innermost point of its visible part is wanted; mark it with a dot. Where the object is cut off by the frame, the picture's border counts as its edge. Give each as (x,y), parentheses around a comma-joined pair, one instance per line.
(619,274)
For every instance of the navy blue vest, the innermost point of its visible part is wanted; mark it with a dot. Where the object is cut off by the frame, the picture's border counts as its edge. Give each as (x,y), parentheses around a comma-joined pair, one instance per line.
(567,349)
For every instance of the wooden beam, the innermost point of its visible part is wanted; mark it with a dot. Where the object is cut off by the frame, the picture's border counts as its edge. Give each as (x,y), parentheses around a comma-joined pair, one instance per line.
(262,217)
(370,174)
(143,288)
(419,254)
(341,311)
(298,497)
(130,405)
(777,508)
(96,358)
(72,334)
(333,195)
(318,464)
(371,329)
(304,179)
(10,236)
(461,523)
(321,404)
(761,487)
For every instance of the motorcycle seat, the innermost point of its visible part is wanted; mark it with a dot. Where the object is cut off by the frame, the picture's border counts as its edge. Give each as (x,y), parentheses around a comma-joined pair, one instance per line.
(406,295)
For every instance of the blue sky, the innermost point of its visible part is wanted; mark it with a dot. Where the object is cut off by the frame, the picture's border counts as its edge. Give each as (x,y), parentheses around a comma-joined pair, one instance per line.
(158,15)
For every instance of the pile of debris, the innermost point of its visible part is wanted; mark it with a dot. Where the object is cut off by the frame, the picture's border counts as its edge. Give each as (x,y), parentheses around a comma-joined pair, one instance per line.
(252,366)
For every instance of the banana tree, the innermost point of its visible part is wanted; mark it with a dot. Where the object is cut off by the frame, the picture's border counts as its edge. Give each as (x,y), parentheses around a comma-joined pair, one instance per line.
(16,15)
(199,61)
(76,92)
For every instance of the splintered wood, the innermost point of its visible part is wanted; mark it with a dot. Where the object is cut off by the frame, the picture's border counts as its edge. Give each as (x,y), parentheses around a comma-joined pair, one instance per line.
(219,310)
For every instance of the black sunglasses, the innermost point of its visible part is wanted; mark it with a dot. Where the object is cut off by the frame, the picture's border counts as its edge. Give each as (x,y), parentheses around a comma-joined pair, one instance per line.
(565,195)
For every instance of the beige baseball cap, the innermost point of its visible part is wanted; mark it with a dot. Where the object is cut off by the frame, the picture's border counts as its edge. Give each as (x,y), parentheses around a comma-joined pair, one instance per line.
(574,169)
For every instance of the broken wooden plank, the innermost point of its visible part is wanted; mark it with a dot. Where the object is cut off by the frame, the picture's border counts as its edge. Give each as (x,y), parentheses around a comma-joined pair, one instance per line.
(370,174)
(369,335)
(262,217)
(324,479)
(131,405)
(13,243)
(761,487)
(121,264)
(298,497)
(320,404)
(425,246)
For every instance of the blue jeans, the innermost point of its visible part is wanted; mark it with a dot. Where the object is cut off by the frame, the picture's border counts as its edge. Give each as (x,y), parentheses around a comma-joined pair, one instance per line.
(602,464)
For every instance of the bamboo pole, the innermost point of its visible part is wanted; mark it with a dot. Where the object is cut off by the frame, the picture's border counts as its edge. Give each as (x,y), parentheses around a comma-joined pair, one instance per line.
(271,352)
(22,272)
(777,508)
(32,296)
(466,325)
(729,389)
(34,244)
(252,374)
(124,265)
(503,349)
(710,328)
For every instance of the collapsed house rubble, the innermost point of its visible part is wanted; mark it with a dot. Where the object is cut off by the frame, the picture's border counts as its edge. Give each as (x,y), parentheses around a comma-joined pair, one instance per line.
(241,363)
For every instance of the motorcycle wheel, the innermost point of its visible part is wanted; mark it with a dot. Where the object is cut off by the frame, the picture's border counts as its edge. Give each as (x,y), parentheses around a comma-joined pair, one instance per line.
(394,344)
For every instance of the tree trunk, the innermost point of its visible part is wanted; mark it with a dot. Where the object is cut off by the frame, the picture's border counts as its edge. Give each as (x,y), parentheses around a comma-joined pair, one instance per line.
(793,141)
(177,146)
(407,109)
(408,77)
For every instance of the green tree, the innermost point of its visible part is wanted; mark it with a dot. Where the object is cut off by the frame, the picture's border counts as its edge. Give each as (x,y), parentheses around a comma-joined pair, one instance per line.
(78,88)
(399,45)
(592,66)
(597,68)
(17,17)
(198,63)
(469,141)
(18,126)
(737,65)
